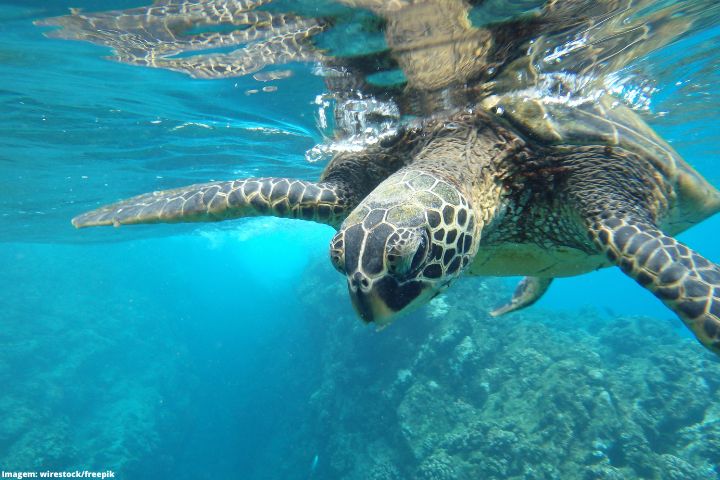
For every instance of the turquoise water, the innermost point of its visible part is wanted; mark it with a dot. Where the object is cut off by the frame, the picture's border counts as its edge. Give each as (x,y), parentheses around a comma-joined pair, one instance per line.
(231,350)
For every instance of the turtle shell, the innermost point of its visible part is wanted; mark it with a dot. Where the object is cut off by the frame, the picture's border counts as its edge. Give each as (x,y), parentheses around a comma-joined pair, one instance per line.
(607,121)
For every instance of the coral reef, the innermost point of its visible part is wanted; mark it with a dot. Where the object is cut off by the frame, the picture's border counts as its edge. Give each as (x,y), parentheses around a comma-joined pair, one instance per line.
(98,381)
(84,378)
(450,393)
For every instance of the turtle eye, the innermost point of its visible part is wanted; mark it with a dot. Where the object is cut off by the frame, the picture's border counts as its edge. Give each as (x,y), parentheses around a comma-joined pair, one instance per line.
(338,260)
(337,254)
(420,253)
(401,260)
(394,259)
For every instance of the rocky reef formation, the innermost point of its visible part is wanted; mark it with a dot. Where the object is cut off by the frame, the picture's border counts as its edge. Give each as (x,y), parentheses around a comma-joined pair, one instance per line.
(450,393)
(156,385)
(85,381)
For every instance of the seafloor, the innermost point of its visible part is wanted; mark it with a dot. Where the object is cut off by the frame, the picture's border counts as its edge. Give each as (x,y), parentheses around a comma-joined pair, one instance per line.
(447,393)
(461,395)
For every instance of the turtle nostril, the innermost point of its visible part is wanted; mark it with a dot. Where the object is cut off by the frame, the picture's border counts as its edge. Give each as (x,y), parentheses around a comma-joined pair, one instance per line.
(359,280)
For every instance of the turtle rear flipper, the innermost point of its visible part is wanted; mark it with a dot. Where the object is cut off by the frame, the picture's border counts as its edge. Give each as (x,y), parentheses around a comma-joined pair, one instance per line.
(324,202)
(685,281)
(527,292)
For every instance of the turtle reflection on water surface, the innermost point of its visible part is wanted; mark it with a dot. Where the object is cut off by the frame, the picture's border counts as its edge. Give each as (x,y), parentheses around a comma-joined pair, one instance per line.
(480,176)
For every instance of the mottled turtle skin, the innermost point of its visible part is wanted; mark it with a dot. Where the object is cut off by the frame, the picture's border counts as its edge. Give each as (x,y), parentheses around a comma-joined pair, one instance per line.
(491,179)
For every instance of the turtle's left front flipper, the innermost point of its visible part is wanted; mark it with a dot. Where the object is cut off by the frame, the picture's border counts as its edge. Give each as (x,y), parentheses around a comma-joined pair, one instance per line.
(323,202)
(685,281)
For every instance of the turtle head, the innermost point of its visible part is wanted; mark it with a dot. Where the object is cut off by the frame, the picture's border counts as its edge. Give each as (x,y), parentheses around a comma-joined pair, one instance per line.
(404,244)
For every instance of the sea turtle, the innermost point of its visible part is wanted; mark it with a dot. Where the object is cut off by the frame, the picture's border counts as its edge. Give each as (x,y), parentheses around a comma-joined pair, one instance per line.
(497,181)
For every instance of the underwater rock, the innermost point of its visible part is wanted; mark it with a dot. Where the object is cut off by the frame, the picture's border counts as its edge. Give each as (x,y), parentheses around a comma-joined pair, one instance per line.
(439,466)
(458,394)
(384,472)
(427,414)
(603,472)
(75,396)
(675,468)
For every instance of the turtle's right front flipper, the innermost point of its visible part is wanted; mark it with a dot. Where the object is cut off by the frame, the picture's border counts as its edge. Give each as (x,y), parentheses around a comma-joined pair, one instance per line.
(347,179)
(683,279)
(323,202)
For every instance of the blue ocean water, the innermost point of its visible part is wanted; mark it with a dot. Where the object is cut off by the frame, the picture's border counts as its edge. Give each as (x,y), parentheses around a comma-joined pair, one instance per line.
(197,351)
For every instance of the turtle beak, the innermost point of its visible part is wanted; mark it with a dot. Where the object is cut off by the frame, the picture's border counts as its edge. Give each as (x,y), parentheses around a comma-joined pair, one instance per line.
(381,301)
(370,307)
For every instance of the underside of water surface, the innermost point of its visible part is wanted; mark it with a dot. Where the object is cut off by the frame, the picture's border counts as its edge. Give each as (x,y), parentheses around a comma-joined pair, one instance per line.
(230,349)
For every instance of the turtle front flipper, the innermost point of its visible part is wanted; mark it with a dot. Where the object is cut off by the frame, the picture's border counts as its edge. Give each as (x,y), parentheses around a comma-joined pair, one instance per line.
(685,281)
(527,292)
(323,202)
